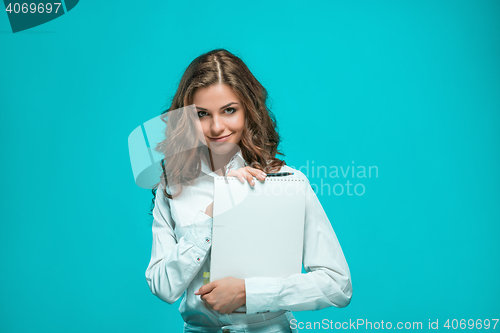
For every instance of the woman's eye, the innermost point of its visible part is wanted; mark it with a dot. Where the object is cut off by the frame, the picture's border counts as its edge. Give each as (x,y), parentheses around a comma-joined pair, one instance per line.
(202,114)
(230,110)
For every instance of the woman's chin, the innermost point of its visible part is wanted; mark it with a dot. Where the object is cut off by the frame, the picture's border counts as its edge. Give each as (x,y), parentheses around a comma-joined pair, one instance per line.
(223,148)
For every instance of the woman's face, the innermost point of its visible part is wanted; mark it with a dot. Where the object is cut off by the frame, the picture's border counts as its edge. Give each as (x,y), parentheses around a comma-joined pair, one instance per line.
(222,117)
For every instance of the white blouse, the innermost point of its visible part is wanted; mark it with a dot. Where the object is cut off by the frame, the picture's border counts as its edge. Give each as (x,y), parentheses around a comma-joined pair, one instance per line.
(180,255)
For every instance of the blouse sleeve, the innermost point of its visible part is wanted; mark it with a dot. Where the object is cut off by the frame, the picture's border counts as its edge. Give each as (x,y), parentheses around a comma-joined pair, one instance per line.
(328,281)
(175,262)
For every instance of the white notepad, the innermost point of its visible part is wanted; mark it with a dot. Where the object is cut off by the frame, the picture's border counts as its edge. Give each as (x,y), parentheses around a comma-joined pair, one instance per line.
(259,231)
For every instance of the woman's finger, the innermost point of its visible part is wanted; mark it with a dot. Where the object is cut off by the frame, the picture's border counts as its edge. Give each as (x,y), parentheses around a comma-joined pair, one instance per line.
(207,304)
(259,174)
(249,177)
(237,174)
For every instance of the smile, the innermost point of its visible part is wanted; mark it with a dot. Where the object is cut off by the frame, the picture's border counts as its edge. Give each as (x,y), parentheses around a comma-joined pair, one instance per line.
(220,139)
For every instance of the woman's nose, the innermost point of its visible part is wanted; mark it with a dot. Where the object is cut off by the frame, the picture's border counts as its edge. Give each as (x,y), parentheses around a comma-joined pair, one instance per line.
(217,125)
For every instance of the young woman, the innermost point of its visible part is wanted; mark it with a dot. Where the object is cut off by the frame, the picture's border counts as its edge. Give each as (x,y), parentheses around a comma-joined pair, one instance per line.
(241,140)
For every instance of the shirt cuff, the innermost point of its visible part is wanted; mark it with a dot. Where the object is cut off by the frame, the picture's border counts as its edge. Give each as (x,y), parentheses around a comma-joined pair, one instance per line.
(262,294)
(200,233)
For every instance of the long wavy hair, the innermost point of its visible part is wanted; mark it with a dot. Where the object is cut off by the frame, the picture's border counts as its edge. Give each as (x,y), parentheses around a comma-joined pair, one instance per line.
(260,139)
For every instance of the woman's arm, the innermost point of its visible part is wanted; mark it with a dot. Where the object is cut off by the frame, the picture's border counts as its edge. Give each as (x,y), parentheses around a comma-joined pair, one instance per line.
(174,263)
(328,281)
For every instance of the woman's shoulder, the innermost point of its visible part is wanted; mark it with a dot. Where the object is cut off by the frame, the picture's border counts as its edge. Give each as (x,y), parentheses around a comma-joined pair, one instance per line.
(160,193)
(169,189)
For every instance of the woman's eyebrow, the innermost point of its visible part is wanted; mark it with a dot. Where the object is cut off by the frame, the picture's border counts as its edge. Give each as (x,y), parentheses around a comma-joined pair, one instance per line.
(222,108)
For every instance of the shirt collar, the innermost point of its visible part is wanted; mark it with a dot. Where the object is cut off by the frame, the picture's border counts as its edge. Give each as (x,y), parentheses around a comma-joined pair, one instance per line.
(236,162)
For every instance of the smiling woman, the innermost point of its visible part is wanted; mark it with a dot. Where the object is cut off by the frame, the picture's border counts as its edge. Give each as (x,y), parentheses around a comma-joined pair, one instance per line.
(222,117)
(231,103)
(232,118)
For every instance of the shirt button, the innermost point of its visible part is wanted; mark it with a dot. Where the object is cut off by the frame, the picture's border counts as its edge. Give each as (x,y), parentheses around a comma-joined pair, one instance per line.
(198,259)
(207,240)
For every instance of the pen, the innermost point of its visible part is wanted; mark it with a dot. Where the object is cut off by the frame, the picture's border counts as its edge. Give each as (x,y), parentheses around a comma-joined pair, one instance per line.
(279,174)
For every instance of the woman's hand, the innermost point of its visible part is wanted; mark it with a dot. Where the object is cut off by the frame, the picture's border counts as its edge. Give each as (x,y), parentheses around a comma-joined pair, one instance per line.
(224,295)
(210,209)
(247,173)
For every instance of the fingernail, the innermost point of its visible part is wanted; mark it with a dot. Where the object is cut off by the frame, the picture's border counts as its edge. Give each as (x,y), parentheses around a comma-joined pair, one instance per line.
(264,174)
(253,182)
(197,292)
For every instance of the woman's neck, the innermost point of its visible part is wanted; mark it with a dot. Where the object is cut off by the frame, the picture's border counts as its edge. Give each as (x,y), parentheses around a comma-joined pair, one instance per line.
(219,161)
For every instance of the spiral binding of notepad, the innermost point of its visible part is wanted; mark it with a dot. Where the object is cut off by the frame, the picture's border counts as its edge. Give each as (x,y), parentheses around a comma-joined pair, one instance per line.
(270,179)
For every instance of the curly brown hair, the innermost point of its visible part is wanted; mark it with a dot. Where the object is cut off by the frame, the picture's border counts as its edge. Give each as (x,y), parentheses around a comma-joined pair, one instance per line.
(260,139)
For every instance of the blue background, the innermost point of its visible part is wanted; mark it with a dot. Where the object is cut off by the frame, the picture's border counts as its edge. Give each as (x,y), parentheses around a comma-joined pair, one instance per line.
(411,87)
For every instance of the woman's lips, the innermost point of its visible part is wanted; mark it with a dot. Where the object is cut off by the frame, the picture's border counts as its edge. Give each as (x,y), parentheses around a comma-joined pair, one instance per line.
(220,139)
